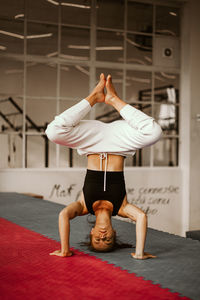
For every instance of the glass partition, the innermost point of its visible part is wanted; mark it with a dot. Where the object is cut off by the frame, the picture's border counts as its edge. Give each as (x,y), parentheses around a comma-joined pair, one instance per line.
(51,55)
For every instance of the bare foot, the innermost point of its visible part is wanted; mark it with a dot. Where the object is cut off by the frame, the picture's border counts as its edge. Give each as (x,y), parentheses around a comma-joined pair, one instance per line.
(111,93)
(97,95)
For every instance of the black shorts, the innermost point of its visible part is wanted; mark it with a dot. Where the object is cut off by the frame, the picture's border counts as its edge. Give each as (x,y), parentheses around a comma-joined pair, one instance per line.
(93,189)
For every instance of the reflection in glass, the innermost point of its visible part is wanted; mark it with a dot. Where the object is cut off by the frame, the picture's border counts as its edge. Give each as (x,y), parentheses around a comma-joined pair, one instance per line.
(64,157)
(12,36)
(41,79)
(51,155)
(35,151)
(75,43)
(11,9)
(140,17)
(79,161)
(166,88)
(166,95)
(40,152)
(136,84)
(167,117)
(74,82)
(166,152)
(76,12)
(110,14)
(69,82)
(139,49)
(11,116)
(140,159)
(11,77)
(70,158)
(109,46)
(42,39)
(11,151)
(142,156)
(39,113)
(167,20)
(41,10)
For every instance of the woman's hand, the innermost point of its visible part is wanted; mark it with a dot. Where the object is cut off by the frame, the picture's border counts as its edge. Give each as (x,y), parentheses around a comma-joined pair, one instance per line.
(144,256)
(61,254)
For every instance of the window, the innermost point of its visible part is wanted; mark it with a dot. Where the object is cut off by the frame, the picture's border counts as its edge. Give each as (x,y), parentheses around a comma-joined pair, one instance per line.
(51,54)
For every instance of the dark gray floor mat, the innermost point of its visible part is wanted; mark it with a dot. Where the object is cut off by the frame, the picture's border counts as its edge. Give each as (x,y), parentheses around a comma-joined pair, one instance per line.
(176,267)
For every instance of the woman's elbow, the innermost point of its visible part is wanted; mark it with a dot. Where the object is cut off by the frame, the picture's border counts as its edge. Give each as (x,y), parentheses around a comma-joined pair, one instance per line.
(142,217)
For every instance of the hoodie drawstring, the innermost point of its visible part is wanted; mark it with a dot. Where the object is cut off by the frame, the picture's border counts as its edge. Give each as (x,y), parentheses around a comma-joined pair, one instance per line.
(103,156)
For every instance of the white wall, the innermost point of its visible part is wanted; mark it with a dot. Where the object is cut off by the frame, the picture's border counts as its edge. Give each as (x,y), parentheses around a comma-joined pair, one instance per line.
(157,191)
(190,107)
(194,10)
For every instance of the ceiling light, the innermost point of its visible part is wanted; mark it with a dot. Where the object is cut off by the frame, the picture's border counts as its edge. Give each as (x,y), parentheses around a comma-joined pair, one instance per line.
(149,59)
(169,76)
(137,79)
(82,70)
(132,60)
(19,36)
(69,4)
(78,47)
(36,36)
(75,5)
(100,48)
(3,48)
(52,54)
(64,68)
(159,78)
(31,64)
(53,2)
(166,31)
(109,48)
(138,45)
(19,16)
(14,71)
(73,57)
(172,13)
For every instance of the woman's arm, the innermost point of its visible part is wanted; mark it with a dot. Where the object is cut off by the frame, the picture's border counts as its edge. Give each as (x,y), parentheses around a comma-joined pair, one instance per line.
(68,213)
(135,214)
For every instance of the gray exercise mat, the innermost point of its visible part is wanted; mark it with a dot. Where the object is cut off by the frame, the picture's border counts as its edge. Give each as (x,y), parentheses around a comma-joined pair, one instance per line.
(177,266)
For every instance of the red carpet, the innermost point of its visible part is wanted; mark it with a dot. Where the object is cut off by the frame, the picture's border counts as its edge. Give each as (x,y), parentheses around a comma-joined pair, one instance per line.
(27,271)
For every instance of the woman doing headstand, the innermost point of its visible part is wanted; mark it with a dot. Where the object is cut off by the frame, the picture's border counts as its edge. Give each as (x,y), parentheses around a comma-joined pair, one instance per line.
(106,145)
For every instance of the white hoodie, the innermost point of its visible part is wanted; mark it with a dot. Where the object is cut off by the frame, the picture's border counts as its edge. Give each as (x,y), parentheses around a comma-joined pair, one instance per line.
(122,137)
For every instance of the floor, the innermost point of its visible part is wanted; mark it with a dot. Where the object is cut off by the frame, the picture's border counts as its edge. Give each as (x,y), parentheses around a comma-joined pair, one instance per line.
(177,266)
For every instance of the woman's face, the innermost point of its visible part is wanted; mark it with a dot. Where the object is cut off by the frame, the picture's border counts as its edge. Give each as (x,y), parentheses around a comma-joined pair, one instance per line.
(102,239)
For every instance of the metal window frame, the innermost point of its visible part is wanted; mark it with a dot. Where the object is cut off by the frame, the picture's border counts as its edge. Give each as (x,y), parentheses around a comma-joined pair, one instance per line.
(92,63)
